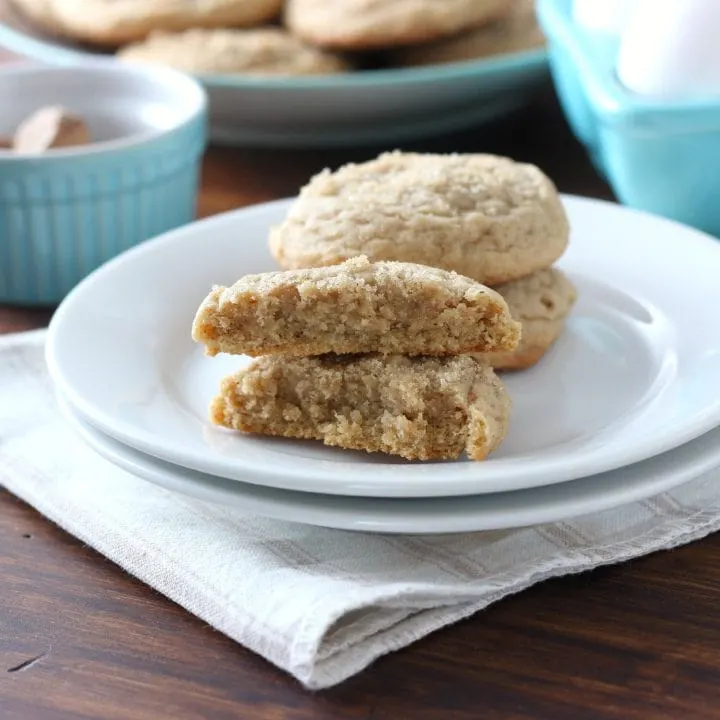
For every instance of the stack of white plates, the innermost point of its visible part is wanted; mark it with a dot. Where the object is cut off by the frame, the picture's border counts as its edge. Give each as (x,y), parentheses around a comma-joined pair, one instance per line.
(626,405)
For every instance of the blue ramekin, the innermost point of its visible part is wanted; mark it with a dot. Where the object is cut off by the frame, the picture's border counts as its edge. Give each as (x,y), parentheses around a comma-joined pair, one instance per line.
(658,156)
(67,211)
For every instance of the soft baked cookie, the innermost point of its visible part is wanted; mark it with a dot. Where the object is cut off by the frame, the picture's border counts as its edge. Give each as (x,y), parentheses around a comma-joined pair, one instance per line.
(516,32)
(261,51)
(541,303)
(484,216)
(356,307)
(116,22)
(366,24)
(418,408)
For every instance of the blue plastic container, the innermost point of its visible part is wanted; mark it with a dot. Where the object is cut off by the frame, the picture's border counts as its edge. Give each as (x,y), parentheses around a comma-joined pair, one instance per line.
(657,156)
(64,213)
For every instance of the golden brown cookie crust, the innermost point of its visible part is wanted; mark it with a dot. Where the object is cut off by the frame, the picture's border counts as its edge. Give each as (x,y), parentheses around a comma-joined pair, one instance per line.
(541,303)
(261,51)
(532,351)
(417,408)
(487,217)
(368,24)
(118,22)
(38,12)
(517,31)
(356,307)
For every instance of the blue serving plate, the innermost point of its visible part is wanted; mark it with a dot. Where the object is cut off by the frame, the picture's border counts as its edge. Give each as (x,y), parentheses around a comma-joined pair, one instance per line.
(658,156)
(366,107)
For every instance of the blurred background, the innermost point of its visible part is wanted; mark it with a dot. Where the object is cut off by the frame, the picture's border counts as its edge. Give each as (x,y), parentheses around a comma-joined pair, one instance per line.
(296,86)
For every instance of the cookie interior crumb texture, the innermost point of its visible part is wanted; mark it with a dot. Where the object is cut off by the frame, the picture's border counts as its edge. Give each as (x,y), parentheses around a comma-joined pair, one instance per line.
(355,307)
(417,408)
(487,217)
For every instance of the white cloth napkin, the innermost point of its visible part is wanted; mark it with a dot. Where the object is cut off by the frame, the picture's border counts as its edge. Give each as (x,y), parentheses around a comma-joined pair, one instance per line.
(321,604)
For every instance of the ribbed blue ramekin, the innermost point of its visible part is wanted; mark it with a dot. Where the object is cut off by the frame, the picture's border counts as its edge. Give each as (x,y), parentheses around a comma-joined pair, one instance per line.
(64,213)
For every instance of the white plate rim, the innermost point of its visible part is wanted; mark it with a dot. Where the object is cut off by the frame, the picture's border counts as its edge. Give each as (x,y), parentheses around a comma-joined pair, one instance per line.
(291,477)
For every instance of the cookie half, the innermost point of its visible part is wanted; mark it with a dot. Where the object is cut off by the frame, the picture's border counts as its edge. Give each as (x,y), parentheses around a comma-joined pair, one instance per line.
(117,22)
(417,408)
(516,32)
(484,216)
(541,303)
(263,51)
(356,307)
(368,24)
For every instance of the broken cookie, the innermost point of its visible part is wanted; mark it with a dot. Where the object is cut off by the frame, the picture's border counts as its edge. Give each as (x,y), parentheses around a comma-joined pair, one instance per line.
(418,408)
(355,307)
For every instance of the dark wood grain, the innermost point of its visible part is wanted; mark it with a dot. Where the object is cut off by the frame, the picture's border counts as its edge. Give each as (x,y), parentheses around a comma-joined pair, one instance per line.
(80,639)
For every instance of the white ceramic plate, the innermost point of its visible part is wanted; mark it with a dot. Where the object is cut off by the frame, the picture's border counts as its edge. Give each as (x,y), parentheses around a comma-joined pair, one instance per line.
(374,106)
(435,515)
(636,373)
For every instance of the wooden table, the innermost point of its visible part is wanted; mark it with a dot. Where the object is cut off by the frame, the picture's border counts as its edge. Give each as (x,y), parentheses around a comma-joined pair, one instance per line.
(80,639)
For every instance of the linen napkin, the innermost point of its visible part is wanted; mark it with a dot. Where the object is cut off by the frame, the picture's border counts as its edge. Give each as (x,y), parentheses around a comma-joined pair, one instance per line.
(320,604)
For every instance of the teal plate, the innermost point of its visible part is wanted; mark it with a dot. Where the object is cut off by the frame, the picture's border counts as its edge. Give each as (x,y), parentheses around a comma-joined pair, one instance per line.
(361,108)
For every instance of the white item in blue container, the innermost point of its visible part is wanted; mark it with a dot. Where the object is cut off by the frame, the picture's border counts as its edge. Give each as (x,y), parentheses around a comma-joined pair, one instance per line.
(671,49)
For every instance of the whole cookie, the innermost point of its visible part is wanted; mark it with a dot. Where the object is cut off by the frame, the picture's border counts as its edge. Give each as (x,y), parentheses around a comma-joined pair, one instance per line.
(116,22)
(516,32)
(366,24)
(486,217)
(262,51)
(541,303)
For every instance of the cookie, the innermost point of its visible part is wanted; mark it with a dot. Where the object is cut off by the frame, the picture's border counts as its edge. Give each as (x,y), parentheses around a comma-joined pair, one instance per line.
(263,51)
(417,408)
(541,303)
(38,12)
(516,32)
(356,307)
(486,217)
(368,24)
(117,22)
